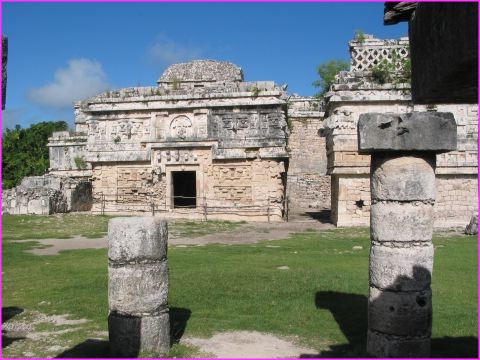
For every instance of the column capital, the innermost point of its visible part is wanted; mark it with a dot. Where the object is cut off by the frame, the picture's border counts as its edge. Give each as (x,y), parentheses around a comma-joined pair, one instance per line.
(434,132)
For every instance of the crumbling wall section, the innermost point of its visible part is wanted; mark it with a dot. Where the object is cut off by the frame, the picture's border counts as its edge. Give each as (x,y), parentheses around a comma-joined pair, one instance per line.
(67,154)
(47,194)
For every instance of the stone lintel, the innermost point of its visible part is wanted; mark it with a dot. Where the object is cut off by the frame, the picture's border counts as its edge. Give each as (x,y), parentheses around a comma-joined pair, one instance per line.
(419,131)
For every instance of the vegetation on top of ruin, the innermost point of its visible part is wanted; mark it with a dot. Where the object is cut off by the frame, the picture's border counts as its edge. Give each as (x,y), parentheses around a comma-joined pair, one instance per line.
(80,162)
(25,151)
(397,70)
(360,36)
(327,72)
(320,299)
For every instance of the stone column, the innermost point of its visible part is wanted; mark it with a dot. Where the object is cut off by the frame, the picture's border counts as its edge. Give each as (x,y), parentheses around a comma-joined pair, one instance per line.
(403,149)
(138,320)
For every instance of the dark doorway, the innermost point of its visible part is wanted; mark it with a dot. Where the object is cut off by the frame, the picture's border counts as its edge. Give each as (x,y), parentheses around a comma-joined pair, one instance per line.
(184,189)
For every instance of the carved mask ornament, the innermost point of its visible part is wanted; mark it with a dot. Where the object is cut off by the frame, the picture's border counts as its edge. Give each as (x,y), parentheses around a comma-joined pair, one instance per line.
(181,127)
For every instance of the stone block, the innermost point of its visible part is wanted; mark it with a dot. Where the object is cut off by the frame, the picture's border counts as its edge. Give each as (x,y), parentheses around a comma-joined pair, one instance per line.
(138,288)
(401,269)
(404,178)
(387,346)
(419,131)
(472,227)
(397,221)
(130,335)
(155,333)
(400,313)
(137,238)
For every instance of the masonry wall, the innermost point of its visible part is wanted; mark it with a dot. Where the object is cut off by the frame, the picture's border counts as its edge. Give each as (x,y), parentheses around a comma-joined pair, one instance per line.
(456,171)
(308,185)
(456,200)
(225,189)
(351,200)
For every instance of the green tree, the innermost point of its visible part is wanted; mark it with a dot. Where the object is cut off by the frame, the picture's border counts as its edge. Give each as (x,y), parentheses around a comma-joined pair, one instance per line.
(327,72)
(25,151)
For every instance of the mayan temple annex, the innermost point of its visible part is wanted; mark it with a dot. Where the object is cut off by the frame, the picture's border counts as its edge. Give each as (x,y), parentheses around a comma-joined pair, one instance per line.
(205,144)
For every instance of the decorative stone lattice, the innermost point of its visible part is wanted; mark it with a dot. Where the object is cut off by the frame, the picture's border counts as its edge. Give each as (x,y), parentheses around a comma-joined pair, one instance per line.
(370,52)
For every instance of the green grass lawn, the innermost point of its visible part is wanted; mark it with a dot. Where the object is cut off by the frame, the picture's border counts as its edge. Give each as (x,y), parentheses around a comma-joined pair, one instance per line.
(320,300)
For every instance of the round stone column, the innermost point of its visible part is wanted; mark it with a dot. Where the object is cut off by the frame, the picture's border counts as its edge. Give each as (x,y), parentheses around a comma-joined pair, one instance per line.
(403,150)
(138,319)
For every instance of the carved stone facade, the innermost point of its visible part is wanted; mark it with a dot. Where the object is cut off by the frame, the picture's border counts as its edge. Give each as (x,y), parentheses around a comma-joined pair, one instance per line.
(203,143)
(355,93)
(206,144)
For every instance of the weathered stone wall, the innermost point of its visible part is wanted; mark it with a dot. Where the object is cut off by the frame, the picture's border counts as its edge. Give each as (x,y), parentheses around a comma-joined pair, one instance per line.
(456,200)
(350,200)
(308,185)
(35,201)
(67,155)
(355,93)
(459,166)
(125,187)
(48,194)
(229,189)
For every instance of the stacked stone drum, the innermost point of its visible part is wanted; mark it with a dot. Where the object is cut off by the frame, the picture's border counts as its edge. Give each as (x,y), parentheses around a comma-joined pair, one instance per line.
(138,286)
(403,149)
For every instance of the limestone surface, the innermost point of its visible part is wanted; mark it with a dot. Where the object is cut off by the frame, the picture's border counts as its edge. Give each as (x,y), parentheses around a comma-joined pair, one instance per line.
(405,178)
(397,221)
(138,287)
(417,131)
(397,268)
(400,313)
(388,346)
(137,239)
(472,227)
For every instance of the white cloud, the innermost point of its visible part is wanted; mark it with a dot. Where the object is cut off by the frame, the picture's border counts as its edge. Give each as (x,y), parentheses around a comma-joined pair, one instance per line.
(81,79)
(12,117)
(164,51)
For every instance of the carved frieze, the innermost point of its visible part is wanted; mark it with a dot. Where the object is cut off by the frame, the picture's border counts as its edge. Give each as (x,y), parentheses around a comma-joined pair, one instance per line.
(234,173)
(180,156)
(247,128)
(233,193)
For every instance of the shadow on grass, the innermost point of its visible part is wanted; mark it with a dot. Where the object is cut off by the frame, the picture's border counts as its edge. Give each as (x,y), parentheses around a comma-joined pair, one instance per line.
(90,348)
(95,348)
(322,216)
(350,312)
(178,323)
(7,314)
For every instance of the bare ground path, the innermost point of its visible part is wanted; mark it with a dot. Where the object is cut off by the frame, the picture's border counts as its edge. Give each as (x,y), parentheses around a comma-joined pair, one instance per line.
(243,234)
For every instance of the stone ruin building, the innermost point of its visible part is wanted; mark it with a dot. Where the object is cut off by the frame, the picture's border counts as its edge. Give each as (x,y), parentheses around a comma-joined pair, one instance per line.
(356,92)
(206,144)
(203,143)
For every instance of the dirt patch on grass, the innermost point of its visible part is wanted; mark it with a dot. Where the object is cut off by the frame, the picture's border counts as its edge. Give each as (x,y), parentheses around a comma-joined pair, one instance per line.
(242,234)
(248,344)
(22,336)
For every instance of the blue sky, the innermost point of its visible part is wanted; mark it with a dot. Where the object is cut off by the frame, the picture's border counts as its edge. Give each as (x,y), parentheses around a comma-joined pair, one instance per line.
(64,52)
